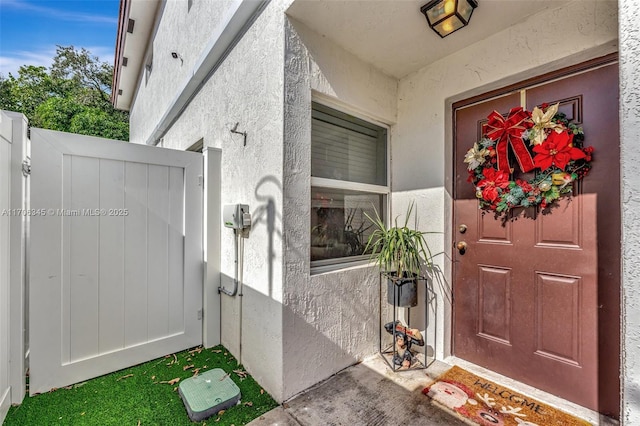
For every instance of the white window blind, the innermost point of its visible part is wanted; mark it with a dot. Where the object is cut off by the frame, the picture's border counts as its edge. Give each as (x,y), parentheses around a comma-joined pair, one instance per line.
(349,150)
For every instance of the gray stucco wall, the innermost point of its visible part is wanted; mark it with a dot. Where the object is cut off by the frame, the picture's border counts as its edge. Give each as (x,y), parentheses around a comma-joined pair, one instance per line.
(629,137)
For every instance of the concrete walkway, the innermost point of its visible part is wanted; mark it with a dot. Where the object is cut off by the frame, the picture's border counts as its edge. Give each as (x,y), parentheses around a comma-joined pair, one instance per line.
(370,394)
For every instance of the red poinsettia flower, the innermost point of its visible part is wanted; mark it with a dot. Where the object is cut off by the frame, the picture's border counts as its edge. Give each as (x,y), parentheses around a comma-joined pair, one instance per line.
(556,150)
(526,187)
(493,179)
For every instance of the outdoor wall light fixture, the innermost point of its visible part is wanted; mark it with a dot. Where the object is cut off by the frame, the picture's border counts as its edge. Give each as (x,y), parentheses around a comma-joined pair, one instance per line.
(447,16)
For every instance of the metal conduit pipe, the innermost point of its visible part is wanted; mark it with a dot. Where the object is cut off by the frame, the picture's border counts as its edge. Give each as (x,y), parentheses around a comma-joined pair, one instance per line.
(241,279)
(221,289)
(238,244)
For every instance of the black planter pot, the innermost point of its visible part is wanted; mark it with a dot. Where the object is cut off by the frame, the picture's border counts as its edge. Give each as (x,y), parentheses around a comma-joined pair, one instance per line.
(404,291)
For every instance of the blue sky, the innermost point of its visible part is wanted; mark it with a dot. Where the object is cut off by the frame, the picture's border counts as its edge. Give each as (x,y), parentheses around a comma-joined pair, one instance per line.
(31,29)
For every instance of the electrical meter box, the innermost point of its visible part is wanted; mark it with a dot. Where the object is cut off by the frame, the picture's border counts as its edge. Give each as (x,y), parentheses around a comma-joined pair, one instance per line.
(236,216)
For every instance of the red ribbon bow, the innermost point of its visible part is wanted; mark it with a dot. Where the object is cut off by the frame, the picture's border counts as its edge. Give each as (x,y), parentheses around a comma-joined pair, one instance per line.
(509,132)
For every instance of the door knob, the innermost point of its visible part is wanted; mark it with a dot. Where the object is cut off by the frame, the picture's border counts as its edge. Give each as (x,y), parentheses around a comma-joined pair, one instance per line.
(461,246)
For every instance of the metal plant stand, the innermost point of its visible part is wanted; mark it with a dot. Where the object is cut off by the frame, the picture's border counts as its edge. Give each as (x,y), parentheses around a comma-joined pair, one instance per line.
(389,352)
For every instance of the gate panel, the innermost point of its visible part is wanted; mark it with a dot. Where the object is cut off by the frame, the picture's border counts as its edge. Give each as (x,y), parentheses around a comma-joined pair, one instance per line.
(116,256)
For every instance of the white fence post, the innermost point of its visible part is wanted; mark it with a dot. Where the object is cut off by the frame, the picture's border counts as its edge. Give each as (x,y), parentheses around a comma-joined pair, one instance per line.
(211,231)
(13,132)
(5,191)
(19,227)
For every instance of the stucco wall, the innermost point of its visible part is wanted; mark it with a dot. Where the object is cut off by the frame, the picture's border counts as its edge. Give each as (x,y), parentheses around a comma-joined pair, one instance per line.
(427,210)
(629,136)
(329,319)
(247,89)
(549,40)
(185,32)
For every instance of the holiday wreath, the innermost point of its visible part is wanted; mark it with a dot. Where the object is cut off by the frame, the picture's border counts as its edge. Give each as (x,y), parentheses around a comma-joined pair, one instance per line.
(543,141)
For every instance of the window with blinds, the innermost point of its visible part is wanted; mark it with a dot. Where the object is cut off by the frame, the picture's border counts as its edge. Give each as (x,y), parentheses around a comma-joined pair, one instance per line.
(346,148)
(348,182)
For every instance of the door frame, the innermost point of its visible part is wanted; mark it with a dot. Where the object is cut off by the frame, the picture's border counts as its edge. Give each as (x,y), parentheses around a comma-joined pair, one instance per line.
(469,98)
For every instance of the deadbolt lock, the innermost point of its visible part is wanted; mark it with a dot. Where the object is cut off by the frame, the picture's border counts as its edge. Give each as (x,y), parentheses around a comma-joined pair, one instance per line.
(462,228)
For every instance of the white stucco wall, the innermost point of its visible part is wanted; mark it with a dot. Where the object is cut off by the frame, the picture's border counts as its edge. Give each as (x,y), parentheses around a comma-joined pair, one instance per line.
(185,32)
(629,136)
(330,320)
(428,207)
(552,39)
(245,89)
(292,337)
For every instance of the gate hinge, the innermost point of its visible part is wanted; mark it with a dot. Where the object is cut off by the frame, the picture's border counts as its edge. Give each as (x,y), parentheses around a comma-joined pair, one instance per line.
(200,180)
(26,168)
(200,314)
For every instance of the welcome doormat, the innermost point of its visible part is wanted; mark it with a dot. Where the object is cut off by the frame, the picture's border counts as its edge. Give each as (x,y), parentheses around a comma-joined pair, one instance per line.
(485,403)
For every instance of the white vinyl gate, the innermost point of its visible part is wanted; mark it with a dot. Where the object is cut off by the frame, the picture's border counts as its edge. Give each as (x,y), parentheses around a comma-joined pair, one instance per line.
(116,256)
(5,221)
(14,150)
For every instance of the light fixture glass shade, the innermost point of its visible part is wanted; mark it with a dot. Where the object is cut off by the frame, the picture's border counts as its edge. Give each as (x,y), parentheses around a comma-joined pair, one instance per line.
(447,16)
(440,10)
(449,25)
(465,9)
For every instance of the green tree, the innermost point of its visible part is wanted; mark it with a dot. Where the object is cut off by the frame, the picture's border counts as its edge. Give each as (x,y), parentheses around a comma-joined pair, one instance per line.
(32,87)
(6,98)
(56,113)
(95,121)
(73,96)
(83,72)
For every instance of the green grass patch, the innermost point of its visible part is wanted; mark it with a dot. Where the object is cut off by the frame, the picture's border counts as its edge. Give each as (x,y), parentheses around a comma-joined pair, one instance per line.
(146,394)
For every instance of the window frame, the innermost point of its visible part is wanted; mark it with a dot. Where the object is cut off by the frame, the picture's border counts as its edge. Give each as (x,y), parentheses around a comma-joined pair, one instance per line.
(335,264)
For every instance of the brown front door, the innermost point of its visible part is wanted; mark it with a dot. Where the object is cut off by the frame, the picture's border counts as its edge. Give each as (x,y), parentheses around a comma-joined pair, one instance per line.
(536,296)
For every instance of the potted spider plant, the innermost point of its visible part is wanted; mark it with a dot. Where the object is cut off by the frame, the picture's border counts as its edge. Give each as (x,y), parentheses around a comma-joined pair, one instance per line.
(400,252)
